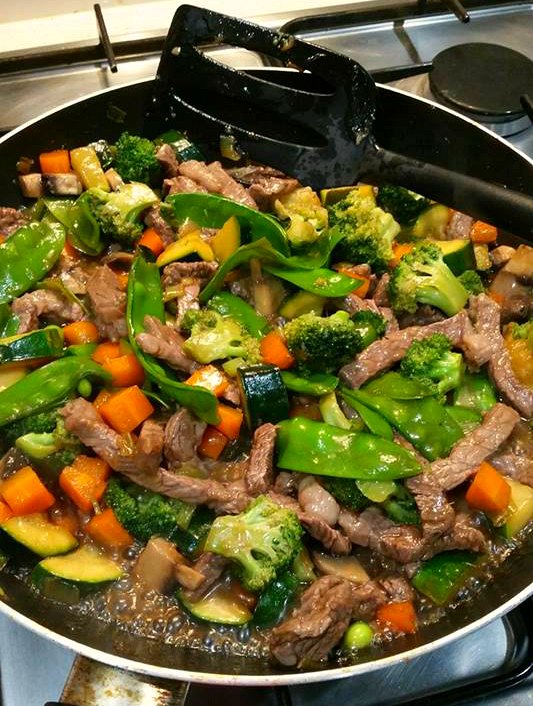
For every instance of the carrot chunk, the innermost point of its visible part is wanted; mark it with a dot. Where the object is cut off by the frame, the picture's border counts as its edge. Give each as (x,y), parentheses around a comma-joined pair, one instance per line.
(274,350)
(400,250)
(399,617)
(489,491)
(213,443)
(483,232)
(5,512)
(85,481)
(230,421)
(125,410)
(106,351)
(55,162)
(152,240)
(80,332)
(107,531)
(25,493)
(211,378)
(125,370)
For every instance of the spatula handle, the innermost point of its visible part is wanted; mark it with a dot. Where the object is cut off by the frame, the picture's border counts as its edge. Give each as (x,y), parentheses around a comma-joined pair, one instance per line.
(509,210)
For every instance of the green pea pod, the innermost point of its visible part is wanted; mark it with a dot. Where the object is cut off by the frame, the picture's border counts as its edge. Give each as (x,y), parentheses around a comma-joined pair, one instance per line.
(212,211)
(395,385)
(307,446)
(317,254)
(316,385)
(27,256)
(467,418)
(227,304)
(83,229)
(9,323)
(321,281)
(145,298)
(48,386)
(375,422)
(424,422)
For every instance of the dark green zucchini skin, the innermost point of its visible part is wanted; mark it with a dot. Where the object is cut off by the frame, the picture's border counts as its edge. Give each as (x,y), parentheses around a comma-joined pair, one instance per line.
(275,599)
(264,395)
(43,343)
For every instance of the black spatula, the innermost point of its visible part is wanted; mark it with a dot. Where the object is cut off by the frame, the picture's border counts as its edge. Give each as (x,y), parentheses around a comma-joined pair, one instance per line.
(323,137)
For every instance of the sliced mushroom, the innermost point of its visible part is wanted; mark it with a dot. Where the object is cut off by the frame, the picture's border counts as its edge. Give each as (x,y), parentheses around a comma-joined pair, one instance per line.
(31,185)
(521,264)
(188,577)
(156,565)
(349,567)
(62,184)
(114,179)
(501,255)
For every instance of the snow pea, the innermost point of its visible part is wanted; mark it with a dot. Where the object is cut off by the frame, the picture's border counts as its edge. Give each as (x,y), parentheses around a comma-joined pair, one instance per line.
(375,422)
(317,254)
(145,298)
(48,386)
(27,256)
(321,281)
(316,385)
(83,229)
(227,304)
(9,323)
(307,446)
(476,391)
(395,385)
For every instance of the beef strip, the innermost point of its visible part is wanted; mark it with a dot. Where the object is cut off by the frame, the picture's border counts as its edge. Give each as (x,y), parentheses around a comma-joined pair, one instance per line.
(372,594)
(423,316)
(211,567)
(187,279)
(459,226)
(165,343)
(166,157)
(515,457)
(47,303)
(381,292)
(154,219)
(183,433)
(287,483)
(475,447)
(216,180)
(182,185)
(501,255)
(259,473)
(387,351)
(265,184)
(316,625)
(108,302)
(11,220)
(436,513)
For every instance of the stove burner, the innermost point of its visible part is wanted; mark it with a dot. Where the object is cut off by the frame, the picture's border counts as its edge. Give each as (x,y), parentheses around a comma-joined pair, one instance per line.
(484,82)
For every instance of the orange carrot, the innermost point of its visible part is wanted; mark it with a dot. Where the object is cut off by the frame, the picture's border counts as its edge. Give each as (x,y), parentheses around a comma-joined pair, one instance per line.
(93,465)
(122,280)
(80,332)
(83,488)
(5,512)
(106,351)
(274,350)
(102,397)
(213,443)
(489,491)
(106,530)
(55,162)
(25,493)
(70,251)
(399,617)
(125,370)
(125,410)
(152,240)
(211,378)
(399,250)
(482,232)
(351,271)
(230,421)
(3,238)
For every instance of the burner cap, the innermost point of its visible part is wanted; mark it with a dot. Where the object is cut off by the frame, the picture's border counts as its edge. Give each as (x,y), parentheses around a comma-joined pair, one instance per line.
(484,80)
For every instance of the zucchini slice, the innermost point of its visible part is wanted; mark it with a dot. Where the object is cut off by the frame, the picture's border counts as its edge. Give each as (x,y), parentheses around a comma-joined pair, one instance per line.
(519,511)
(85,569)
(302,303)
(39,535)
(43,343)
(221,606)
(264,395)
(458,254)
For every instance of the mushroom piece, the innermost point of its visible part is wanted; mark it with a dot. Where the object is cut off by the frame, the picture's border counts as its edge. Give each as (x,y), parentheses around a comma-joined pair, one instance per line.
(348,567)
(31,185)
(156,565)
(62,184)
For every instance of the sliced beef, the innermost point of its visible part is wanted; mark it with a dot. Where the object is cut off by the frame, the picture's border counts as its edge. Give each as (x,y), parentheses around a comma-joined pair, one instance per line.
(183,433)
(166,157)
(154,219)
(182,185)
(211,567)
(369,596)
(315,500)
(459,226)
(436,513)
(46,303)
(515,457)
(387,351)
(475,447)
(186,279)
(423,316)
(108,302)
(149,445)
(501,255)
(216,180)
(259,473)
(225,498)
(465,534)
(316,625)
(287,483)
(11,220)
(265,184)
(381,292)
(165,343)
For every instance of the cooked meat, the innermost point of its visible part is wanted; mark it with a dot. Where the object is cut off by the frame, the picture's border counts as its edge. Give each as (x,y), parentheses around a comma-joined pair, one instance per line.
(165,343)
(392,322)
(397,589)
(232,394)
(265,183)
(216,180)
(464,535)
(156,565)
(287,483)
(154,219)
(11,220)
(352,304)
(178,271)
(475,447)
(381,292)
(108,302)
(315,500)
(166,157)
(259,473)
(62,184)
(316,625)
(119,258)
(436,513)
(369,596)
(150,445)
(211,567)
(183,433)
(423,316)
(387,351)
(501,255)
(459,226)
(47,303)
(182,185)
(515,457)
(225,498)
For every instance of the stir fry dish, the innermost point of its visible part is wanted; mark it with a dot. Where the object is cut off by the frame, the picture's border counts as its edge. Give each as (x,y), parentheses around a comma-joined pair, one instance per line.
(234,409)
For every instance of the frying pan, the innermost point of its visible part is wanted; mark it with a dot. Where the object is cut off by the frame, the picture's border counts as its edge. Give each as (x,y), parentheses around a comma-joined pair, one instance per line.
(419,129)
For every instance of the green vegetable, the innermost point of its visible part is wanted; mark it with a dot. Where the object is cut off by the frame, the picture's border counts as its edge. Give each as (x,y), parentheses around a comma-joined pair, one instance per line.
(37,446)
(190,541)
(458,254)
(261,541)
(377,490)
(145,298)
(431,362)
(83,231)
(306,216)
(135,159)
(274,600)
(375,423)
(104,152)
(145,513)
(316,384)
(182,146)
(358,636)
(39,423)
(369,325)
(476,392)
(322,344)
(467,418)
(302,303)
(442,576)
(404,205)
(215,337)
(430,224)
(221,606)
(263,394)
(399,387)
(472,282)
(321,281)
(39,535)
(9,323)
(518,513)
(368,231)
(228,305)
(81,349)
(522,332)
(400,507)
(303,567)
(27,256)
(46,387)
(333,414)
(347,492)
(46,342)
(422,277)
(314,447)
(425,422)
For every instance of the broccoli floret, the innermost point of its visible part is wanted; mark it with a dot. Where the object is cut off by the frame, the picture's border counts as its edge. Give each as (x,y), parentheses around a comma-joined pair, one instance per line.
(322,344)
(42,423)
(368,231)
(135,159)
(404,205)
(308,218)
(145,513)
(401,508)
(118,213)
(370,326)
(216,337)
(422,277)
(345,490)
(261,541)
(432,362)
(472,282)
